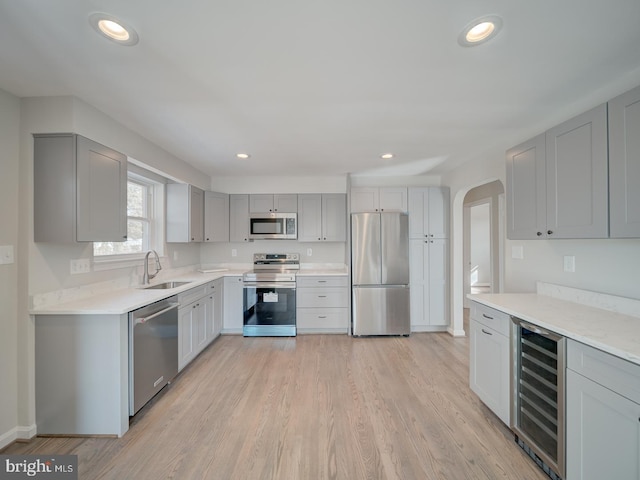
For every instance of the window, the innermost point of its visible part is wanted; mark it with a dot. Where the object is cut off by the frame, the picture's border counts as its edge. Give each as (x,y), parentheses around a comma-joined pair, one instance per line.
(144,225)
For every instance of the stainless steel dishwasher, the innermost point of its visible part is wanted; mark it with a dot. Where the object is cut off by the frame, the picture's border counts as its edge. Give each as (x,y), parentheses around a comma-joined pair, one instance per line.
(153,350)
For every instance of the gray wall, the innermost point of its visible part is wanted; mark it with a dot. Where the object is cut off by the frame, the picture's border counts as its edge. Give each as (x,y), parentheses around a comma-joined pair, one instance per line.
(9,180)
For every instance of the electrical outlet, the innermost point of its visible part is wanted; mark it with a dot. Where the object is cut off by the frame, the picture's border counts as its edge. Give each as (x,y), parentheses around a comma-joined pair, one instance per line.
(6,254)
(80,265)
(569,263)
(309,252)
(234,252)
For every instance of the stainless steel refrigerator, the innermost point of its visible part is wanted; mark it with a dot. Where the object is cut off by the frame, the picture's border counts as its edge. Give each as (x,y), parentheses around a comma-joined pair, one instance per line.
(380,273)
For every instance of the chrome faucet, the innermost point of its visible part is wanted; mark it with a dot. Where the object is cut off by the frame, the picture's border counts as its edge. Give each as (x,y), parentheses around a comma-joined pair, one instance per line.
(146,277)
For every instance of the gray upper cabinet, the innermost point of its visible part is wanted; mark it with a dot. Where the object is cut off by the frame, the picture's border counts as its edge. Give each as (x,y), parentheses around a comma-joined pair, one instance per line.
(80,190)
(526,190)
(239,218)
(378,199)
(428,212)
(322,217)
(577,177)
(185,213)
(557,182)
(265,203)
(624,165)
(216,217)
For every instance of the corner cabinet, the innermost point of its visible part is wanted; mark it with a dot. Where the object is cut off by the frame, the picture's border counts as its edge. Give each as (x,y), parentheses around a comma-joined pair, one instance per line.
(185,213)
(216,217)
(624,165)
(602,415)
(322,217)
(80,190)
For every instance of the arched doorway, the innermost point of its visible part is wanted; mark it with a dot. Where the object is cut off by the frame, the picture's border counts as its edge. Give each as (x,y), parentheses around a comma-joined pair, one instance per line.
(489,192)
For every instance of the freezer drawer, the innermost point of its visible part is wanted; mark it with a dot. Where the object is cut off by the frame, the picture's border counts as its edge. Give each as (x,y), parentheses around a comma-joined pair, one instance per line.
(381,311)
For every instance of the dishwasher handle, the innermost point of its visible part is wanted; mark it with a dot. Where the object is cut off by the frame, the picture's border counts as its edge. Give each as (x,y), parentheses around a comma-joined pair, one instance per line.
(157,314)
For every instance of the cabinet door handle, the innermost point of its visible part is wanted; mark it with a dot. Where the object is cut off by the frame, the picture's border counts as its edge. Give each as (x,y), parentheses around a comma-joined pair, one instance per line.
(487,316)
(124,236)
(550,232)
(539,234)
(488,333)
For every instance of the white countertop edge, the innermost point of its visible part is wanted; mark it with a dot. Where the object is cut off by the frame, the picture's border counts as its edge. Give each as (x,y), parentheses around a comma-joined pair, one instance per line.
(124,300)
(614,339)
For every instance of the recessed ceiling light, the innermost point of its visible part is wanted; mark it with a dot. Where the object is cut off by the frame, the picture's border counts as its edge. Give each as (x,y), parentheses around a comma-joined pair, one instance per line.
(386,156)
(480,30)
(242,155)
(113,28)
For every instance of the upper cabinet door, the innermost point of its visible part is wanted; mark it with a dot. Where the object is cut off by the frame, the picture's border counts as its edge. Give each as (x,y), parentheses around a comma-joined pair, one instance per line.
(239,218)
(393,199)
(334,217)
(526,190)
(577,177)
(364,199)
(261,203)
(285,203)
(428,212)
(101,192)
(310,217)
(216,217)
(624,165)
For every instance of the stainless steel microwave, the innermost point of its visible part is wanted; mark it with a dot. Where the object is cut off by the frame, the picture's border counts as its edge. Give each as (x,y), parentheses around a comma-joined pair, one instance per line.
(266,226)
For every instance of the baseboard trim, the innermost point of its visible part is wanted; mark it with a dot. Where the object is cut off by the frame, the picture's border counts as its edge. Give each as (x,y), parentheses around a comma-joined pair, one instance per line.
(18,433)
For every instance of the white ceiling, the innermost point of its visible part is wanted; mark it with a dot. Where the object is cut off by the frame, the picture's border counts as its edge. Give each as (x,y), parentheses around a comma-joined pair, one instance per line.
(321,87)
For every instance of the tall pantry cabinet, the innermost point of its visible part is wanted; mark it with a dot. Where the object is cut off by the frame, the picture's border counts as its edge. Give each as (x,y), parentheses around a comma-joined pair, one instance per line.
(429,255)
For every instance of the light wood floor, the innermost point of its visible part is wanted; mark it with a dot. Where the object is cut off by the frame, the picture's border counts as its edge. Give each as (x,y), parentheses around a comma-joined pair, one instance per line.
(311,407)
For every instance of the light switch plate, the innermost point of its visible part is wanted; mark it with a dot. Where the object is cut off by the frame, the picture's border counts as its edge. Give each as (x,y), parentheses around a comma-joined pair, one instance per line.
(517,252)
(80,265)
(6,254)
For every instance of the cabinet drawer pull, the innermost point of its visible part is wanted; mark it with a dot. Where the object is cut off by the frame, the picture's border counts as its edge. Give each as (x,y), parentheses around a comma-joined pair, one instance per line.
(488,333)
(322,316)
(322,296)
(322,281)
(487,316)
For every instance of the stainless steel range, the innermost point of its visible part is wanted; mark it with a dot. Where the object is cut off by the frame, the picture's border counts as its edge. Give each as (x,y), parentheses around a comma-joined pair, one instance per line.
(270,295)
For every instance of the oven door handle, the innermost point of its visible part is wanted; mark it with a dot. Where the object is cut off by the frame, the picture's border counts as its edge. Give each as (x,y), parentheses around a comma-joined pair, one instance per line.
(288,285)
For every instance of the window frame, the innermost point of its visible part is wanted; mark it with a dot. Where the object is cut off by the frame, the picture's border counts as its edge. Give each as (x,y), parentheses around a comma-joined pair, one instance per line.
(155,206)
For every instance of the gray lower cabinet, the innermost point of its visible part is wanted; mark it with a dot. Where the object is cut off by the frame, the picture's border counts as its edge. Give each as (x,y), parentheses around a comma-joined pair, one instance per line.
(192,324)
(428,281)
(232,304)
(322,304)
(238,218)
(216,217)
(624,165)
(322,217)
(489,358)
(602,415)
(185,213)
(214,314)
(82,374)
(80,190)
(557,181)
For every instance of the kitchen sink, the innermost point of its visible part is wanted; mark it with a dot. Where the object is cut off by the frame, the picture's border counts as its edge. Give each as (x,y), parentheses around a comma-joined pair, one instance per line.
(165,285)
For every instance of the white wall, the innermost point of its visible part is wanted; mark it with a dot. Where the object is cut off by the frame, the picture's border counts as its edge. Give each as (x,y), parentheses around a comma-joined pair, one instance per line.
(9,180)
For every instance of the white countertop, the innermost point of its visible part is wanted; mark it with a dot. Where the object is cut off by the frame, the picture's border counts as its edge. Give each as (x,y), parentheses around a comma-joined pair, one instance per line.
(611,332)
(123,300)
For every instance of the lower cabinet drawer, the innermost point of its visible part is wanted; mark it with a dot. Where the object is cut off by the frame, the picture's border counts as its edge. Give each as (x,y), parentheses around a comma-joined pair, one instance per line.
(323,297)
(323,319)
